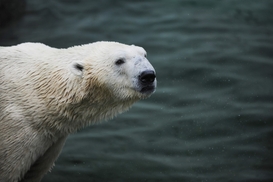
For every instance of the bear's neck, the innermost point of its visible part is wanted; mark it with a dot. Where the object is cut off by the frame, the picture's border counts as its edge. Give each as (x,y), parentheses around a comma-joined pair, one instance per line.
(100,105)
(86,113)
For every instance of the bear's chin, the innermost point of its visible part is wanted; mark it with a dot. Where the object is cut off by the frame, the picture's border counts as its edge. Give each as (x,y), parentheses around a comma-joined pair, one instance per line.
(147,90)
(144,91)
(132,95)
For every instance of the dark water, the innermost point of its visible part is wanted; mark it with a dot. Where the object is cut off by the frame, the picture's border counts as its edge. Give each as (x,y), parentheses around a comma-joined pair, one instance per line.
(211,118)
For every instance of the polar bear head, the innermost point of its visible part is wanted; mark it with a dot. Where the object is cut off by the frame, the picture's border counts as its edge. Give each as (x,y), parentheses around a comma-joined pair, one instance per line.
(122,70)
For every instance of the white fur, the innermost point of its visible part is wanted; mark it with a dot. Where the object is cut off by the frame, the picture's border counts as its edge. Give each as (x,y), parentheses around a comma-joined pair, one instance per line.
(48,93)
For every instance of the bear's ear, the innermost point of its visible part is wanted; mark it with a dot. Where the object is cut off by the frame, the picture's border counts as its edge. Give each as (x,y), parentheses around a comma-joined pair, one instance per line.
(77,69)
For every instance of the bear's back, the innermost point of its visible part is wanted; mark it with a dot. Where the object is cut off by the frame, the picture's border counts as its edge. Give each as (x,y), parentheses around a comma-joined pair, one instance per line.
(23,53)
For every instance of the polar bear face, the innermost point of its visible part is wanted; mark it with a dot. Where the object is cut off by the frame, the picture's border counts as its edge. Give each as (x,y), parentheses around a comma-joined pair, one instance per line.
(123,69)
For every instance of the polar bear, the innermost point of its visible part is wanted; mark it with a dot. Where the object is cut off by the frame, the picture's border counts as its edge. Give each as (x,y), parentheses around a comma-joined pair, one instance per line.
(47,93)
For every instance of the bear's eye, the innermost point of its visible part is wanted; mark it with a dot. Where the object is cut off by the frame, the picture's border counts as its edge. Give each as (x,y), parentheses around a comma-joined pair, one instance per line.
(145,55)
(119,62)
(78,67)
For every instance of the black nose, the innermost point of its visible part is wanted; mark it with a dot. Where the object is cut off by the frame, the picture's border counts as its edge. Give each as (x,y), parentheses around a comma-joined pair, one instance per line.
(147,77)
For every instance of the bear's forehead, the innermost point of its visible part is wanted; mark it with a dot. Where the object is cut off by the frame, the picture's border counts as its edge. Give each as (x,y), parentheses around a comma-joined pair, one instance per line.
(114,50)
(127,50)
(119,47)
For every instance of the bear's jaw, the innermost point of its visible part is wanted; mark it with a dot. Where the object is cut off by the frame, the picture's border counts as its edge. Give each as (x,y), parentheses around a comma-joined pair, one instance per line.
(77,116)
(132,93)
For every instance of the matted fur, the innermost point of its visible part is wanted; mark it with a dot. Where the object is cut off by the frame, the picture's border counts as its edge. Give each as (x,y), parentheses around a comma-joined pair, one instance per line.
(44,97)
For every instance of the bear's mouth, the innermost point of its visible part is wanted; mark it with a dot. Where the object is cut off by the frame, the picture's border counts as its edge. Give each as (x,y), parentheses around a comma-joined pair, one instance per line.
(148,89)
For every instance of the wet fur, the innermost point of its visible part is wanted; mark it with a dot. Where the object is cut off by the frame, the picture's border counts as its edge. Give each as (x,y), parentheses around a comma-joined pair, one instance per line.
(42,101)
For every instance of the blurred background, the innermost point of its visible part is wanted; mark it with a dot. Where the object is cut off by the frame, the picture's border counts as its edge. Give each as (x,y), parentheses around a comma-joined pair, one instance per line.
(211,118)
